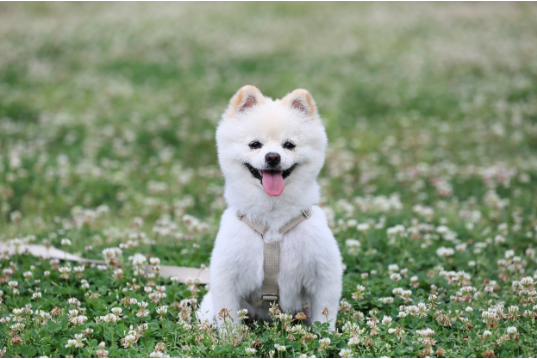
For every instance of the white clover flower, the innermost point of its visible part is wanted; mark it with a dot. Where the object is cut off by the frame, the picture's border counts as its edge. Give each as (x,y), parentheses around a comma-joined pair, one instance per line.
(73,301)
(349,327)
(296,329)
(143,311)
(406,295)
(280,348)
(129,340)
(111,255)
(66,242)
(344,306)
(392,268)
(442,229)
(110,318)
(398,230)
(138,260)
(162,310)
(36,295)
(7,271)
(499,239)
(18,327)
(353,246)
(242,314)
(285,318)
(527,282)
(386,320)
(487,333)
(395,277)
(77,342)
(78,320)
(469,310)
(353,341)
(15,216)
(345,353)
(250,351)
(513,309)
(325,342)
(445,252)
(386,300)
(511,330)
(424,333)
(468,291)
(157,354)
(397,291)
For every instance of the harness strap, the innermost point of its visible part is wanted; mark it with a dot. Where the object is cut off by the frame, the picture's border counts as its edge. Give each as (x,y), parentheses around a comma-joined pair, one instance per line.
(258,227)
(295,221)
(271,267)
(271,256)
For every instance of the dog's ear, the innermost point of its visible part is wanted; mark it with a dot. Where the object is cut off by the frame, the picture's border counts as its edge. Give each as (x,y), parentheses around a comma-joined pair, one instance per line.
(247,97)
(302,101)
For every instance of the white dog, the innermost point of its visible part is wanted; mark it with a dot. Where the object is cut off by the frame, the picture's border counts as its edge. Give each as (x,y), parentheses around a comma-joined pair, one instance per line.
(274,244)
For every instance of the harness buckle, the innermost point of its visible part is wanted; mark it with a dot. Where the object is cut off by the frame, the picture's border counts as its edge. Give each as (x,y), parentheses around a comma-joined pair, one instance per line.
(305,214)
(268,297)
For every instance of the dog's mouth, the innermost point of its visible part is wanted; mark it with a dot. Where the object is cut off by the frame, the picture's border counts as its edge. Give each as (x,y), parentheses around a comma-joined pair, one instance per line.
(271,178)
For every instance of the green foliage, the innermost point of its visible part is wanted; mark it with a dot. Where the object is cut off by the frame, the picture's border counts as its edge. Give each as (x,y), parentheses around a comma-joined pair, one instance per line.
(107,122)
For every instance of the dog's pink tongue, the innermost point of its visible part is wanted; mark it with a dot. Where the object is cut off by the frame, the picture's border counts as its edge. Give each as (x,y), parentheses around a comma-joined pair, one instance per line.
(273,183)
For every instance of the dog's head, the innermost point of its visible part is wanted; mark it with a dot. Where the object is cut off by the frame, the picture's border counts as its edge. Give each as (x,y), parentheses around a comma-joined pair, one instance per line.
(267,145)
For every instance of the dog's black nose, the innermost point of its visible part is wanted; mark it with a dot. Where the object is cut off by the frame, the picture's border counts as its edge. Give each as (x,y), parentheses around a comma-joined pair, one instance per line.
(272,158)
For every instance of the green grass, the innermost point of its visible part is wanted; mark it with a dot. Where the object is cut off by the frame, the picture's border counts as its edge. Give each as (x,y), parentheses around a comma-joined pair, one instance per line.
(116,105)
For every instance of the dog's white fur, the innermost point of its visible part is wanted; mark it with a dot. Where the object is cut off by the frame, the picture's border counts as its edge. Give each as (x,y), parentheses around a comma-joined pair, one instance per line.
(310,261)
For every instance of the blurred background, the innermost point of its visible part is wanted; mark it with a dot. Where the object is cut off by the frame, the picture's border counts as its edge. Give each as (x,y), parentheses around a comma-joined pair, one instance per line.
(108,110)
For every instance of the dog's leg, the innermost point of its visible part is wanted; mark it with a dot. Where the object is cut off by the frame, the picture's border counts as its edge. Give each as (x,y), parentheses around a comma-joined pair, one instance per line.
(325,301)
(206,311)
(226,303)
(324,310)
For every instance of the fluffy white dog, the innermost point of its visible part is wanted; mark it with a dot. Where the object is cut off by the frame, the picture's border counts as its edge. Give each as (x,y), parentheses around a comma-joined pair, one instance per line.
(271,152)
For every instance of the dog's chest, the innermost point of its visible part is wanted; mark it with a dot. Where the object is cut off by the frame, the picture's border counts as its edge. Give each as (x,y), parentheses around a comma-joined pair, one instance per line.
(296,263)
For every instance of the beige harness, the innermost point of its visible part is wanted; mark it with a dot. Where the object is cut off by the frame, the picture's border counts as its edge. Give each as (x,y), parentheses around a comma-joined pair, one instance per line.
(271,256)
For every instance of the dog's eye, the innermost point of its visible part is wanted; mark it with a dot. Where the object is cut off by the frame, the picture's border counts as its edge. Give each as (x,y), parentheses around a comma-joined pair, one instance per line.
(289,145)
(254,145)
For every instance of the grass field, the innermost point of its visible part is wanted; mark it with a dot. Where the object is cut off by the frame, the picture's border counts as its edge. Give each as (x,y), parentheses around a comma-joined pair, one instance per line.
(107,122)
